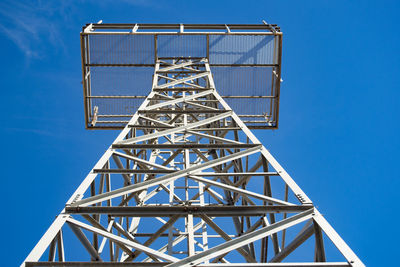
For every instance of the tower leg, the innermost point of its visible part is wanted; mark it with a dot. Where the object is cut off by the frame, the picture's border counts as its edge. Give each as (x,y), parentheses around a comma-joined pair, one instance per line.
(186,183)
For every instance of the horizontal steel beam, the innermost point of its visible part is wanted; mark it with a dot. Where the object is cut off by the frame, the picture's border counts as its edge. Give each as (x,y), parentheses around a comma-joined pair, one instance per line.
(132,171)
(176,100)
(150,127)
(181,89)
(186,111)
(286,264)
(181,29)
(218,174)
(91,264)
(168,211)
(176,26)
(118,96)
(122,126)
(182,146)
(152,65)
(159,264)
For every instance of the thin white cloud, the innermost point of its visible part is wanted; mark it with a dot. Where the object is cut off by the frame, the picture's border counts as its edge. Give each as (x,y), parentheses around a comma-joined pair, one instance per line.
(31,25)
(18,37)
(40,132)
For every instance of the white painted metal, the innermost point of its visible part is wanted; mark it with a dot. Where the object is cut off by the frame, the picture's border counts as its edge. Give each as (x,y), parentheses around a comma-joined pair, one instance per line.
(213,161)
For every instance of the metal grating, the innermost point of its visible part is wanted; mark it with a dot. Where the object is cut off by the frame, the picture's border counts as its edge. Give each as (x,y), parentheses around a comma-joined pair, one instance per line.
(121,49)
(182,46)
(118,64)
(109,81)
(249,81)
(242,49)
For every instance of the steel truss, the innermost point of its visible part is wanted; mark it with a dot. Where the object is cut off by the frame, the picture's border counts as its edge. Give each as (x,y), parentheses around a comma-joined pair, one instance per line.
(187,184)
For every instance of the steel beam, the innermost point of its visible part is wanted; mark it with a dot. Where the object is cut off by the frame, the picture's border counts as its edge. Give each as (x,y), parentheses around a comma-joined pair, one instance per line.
(187,168)
(163,211)
(243,240)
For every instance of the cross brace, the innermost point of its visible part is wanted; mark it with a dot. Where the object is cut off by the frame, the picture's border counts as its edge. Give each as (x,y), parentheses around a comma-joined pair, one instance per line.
(186,183)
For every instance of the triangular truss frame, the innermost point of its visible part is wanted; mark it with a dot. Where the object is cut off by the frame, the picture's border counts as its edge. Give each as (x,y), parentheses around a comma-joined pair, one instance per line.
(184,145)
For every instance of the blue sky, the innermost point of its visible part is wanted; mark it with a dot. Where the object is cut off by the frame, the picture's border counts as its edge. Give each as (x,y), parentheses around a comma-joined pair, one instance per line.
(339,112)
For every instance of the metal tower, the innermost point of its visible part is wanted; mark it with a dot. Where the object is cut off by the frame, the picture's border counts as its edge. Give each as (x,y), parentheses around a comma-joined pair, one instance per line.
(186,183)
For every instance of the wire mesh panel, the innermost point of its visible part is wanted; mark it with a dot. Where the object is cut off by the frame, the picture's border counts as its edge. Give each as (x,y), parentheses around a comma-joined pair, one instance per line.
(118,64)
(121,49)
(181,46)
(123,81)
(243,81)
(241,49)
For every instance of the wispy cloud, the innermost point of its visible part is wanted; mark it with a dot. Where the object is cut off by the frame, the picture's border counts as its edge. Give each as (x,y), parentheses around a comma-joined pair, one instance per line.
(31,25)
(40,132)
(34,25)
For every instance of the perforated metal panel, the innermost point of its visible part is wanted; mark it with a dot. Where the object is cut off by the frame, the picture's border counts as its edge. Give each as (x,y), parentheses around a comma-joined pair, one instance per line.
(118,64)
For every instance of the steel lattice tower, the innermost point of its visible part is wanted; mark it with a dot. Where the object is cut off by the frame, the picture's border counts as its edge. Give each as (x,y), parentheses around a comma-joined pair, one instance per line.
(186,183)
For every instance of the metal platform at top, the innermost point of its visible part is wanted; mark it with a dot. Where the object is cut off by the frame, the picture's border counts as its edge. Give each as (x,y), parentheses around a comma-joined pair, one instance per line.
(118,64)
